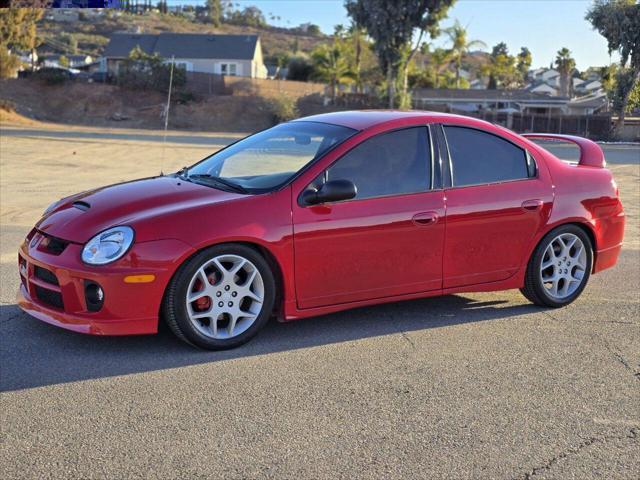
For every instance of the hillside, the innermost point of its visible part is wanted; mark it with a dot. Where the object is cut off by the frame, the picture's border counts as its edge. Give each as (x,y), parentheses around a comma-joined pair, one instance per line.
(93,34)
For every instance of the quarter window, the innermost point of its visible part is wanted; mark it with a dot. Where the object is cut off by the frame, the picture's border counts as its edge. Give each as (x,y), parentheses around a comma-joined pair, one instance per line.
(393,163)
(479,158)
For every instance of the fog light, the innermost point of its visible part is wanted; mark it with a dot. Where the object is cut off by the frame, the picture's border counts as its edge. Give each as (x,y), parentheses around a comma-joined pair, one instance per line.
(93,295)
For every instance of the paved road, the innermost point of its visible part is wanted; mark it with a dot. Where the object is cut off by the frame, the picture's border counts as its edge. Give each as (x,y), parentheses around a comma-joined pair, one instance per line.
(615,153)
(464,386)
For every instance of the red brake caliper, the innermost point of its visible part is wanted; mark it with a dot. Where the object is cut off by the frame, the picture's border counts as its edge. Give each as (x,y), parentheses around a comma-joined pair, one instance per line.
(204,303)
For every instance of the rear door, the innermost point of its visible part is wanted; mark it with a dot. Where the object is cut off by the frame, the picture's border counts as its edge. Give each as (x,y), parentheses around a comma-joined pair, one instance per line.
(497,200)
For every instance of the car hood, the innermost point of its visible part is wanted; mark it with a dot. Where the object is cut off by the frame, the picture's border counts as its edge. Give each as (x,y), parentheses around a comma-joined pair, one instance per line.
(79,217)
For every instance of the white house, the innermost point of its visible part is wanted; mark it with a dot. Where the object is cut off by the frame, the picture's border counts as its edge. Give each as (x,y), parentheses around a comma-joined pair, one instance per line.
(234,55)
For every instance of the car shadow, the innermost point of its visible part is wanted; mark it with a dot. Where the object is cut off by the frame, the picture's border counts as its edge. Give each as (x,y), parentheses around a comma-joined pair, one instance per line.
(34,354)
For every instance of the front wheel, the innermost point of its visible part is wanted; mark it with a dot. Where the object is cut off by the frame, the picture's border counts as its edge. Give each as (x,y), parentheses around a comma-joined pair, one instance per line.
(220,297)
(559,268)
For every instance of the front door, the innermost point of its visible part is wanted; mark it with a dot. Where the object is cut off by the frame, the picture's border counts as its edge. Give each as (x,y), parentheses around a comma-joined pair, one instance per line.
(386,241)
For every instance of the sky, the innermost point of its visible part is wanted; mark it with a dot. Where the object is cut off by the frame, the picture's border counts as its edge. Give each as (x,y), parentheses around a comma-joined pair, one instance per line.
(544,26)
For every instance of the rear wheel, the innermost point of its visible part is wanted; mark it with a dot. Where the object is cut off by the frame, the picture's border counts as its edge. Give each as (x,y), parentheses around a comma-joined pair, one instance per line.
(221,297)
(559,268)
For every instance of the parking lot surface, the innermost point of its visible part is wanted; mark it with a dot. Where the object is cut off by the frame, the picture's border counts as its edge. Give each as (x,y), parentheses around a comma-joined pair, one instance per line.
(464,386)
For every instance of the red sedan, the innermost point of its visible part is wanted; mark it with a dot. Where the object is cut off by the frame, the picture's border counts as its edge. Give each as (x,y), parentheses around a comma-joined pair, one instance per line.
(322,214)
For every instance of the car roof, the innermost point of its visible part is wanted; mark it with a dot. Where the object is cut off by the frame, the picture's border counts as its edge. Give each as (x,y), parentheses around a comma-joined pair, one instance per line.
(363,119)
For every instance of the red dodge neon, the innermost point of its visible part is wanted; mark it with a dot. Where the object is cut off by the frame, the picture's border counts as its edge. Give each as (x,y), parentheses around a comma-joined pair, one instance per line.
(322,214)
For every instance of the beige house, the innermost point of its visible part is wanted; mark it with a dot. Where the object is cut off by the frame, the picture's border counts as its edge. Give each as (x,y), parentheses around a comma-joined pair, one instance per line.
(233,55)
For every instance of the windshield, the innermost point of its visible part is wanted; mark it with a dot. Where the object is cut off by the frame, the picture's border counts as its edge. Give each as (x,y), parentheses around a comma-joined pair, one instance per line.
(270,158)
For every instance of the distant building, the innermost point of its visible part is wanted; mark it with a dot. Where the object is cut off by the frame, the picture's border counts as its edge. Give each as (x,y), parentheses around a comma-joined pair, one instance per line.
(75,61)
(478,101)
(234,55)
(543,88)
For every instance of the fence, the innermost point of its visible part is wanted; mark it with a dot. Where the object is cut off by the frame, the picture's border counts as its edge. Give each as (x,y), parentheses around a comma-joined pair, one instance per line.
(597,127)
(211,84)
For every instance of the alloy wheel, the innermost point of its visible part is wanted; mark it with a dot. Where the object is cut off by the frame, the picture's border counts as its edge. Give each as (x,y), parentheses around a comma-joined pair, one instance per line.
(563,266)
(225,296)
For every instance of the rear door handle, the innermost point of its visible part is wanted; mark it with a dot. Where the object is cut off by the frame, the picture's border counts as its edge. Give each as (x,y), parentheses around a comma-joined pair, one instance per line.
(532,205)
(425,218)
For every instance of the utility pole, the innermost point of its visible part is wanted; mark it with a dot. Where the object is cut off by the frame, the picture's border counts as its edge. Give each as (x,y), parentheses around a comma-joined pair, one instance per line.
(166,114)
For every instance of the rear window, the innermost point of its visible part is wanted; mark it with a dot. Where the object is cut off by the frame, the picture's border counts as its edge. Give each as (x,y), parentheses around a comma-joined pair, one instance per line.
(479,158)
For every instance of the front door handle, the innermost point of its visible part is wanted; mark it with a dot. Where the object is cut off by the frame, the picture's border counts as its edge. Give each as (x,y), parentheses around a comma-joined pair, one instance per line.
(532,205)
(425,218)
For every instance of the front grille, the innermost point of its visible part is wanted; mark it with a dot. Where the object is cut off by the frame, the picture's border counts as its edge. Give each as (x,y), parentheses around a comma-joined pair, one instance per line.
(45,275)
(49,297)
(53,245)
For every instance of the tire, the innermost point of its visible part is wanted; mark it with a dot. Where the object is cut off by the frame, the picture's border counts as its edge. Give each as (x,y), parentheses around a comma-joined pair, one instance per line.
(558,284)
(222,311)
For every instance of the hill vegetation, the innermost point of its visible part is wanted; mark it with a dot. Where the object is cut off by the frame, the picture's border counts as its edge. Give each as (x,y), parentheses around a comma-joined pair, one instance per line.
(90,35)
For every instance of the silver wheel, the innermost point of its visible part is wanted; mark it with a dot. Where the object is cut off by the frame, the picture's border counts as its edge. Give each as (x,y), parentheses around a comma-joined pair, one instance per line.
(563,266)
(225,296)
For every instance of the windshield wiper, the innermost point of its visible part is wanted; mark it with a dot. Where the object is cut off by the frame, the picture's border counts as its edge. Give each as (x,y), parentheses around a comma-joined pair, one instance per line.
(183,172)
(232,185)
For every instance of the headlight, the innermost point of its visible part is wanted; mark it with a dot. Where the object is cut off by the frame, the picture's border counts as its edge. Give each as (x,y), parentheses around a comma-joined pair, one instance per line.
(108,246)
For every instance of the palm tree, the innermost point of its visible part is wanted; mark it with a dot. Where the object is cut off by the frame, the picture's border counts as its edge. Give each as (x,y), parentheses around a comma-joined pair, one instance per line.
(331,65)
(565,65)
(440,60)
(460,46)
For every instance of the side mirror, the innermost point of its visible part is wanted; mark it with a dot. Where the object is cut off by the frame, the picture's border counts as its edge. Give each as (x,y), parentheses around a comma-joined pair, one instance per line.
(331,191)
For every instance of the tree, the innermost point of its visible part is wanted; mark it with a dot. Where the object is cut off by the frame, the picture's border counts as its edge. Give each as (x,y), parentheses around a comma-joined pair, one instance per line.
(460,46)
(330,65)
(299,68)
(501,68)
(214,7)
(619,22)
(18,31)
(144,71)
(523,64)
(391,26)
(9,64)
(565,64)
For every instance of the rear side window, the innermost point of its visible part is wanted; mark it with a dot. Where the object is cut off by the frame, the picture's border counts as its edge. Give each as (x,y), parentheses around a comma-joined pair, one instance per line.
(392,163)
(479,158)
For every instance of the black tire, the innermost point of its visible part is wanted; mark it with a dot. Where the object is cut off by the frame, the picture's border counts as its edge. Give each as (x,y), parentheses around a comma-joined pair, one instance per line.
(534,289)
(174,308)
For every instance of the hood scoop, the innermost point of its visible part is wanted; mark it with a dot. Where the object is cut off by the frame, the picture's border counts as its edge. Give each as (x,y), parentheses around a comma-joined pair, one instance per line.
(84,206)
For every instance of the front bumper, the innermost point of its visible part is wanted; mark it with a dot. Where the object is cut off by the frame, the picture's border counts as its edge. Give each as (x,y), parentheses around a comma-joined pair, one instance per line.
(52,287)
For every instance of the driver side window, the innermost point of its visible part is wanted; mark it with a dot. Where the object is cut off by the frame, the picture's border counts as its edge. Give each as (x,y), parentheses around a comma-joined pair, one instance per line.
(393,163)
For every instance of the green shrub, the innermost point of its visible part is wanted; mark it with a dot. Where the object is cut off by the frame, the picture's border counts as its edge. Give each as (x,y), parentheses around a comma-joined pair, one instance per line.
(141,71)
(282,109)
(52,76)
(9,63)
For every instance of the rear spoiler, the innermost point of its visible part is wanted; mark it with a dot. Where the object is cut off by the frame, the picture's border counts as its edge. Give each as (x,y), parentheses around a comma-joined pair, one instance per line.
(591,155)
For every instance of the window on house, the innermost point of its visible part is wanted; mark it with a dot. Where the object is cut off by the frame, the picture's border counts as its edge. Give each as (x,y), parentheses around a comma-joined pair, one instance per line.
(479,158)
(228,69)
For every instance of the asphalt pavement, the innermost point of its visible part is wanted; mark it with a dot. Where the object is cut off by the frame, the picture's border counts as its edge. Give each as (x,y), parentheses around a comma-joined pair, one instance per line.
(464,386)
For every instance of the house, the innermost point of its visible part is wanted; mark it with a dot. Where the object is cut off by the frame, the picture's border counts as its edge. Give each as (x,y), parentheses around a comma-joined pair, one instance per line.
(589,104)
(542,88)
(234,55)
(75,61)
(590,86)
(475,101)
